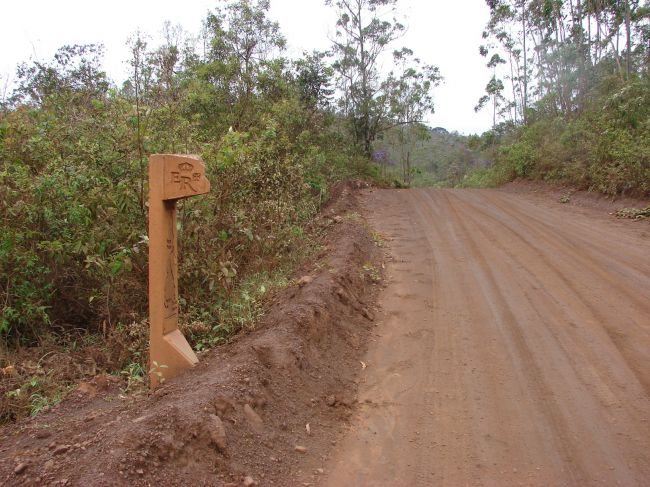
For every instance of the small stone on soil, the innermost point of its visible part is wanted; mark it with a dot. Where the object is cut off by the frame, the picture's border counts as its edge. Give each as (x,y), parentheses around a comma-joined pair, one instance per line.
(223,404)
(249,482)
(304,280)
(61,449)
(330,401)
(343,296)
(260,402)
(253,419)
(20,468)
(300,449)
(217,432)
(368,314)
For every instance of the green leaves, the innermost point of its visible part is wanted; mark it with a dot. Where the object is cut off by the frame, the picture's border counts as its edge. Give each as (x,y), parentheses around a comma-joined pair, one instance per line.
(73,174)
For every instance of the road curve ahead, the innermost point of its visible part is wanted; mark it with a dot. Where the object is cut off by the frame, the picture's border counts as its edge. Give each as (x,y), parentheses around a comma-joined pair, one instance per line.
(514,348)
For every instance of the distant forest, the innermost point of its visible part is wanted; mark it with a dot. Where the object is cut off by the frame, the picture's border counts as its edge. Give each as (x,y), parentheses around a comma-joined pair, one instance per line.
(423,156)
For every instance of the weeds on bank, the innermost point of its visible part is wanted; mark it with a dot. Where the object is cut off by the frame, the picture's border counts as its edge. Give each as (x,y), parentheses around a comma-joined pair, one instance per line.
(370,273)
(29,394)
(206,329)
(378,239)
(134,374)
(634,213)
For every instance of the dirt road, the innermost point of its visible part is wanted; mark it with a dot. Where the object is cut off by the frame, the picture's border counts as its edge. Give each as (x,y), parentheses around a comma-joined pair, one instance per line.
(514,348)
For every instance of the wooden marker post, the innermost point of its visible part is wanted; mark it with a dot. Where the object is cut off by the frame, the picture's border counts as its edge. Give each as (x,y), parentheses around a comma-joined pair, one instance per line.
(171,177)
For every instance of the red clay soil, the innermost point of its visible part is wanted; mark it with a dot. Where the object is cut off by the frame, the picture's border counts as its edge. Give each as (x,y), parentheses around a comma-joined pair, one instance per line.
(264,409)
(588,203)
(513,346)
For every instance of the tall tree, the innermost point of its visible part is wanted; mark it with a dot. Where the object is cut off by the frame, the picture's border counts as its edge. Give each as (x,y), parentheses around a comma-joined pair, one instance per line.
(314,80)
(242,60)
(370,101)
(409,97)
(362,35)
(494,89)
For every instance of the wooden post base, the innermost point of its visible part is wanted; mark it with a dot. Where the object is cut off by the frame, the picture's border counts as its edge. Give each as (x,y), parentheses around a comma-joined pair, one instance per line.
(176,355)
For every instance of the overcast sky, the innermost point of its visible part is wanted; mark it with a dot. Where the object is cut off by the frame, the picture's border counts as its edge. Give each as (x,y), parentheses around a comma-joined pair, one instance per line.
(441,32)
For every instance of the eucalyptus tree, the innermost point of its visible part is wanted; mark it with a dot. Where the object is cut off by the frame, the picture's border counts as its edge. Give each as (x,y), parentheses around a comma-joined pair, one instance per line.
(371,101)
(363,34)
(507,30)
(494,90)
(409,100)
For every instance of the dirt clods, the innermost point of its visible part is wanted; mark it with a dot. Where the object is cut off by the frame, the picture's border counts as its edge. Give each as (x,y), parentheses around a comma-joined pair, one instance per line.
(304,280)
(60,450)
(217,432)
(253,419)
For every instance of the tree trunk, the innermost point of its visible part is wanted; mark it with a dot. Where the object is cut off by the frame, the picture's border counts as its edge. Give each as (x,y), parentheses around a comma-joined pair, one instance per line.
(523,28)
(512,82)
(408,168)
(628,53)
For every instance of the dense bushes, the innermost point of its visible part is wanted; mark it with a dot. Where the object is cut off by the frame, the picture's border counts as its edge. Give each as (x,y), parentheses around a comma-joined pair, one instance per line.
(73,248)
(73,175)
(71,219)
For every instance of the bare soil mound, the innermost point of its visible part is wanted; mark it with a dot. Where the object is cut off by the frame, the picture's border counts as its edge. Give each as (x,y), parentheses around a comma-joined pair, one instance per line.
(264,409)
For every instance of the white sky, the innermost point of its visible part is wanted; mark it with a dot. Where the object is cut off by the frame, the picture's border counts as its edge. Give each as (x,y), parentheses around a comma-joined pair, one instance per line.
(446,33)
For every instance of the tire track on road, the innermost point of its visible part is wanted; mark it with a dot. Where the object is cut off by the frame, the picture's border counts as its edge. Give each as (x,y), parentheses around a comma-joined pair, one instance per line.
(510,350)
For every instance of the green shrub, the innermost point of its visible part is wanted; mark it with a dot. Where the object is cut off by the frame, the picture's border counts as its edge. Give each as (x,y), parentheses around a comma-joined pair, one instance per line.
(604,148)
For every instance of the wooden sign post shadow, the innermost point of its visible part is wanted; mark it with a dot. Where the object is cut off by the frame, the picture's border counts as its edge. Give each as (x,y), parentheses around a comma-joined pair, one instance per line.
(171,177)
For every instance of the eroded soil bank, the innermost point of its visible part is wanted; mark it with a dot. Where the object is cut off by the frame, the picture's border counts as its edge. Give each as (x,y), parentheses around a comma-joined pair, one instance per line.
(265,409)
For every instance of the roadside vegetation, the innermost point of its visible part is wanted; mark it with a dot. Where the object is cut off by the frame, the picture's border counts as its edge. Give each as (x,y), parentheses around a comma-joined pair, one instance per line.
(275,134)
(570,94)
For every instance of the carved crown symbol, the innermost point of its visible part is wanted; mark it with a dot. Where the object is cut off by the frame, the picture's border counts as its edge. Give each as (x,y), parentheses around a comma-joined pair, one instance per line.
(185,166)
